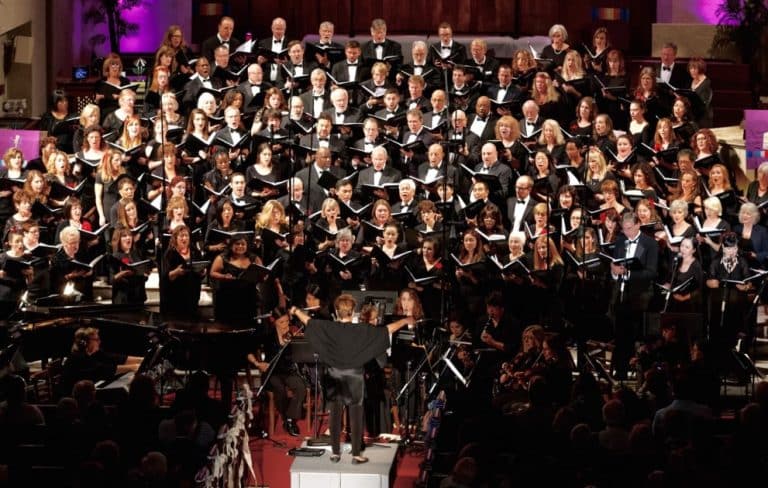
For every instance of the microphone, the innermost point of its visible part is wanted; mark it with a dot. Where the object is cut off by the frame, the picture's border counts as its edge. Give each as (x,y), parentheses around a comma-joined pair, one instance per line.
(678,257)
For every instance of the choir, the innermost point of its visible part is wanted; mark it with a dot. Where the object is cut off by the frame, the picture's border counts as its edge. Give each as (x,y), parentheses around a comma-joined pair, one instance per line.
(550,186)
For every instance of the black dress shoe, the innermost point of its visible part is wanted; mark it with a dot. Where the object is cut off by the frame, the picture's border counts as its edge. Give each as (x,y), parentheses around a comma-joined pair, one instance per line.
(335,458)
(291,428)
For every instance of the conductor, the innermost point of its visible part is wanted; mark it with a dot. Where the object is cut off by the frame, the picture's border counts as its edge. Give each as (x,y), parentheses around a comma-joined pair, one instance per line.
(345,347)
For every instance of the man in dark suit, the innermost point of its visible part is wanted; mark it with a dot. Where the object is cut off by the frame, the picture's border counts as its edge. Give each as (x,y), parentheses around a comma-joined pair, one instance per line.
(485,67)
(201,78)
(253,87)
(379,48)
(318,99)
(310,176)
(632,289)
(377,174)
(231,135)
(295,69)
(371,138)
(436,166)
(391,110)
(222,37)
(372,91)
(503,91)
(295,196)
(462,146)
(520,206)
(416,97)
(436,119)
(483,123)
(325,52)
(351,67)
(676,74)
(342,112)
(322,138)
(276,43)
(408,205)
(492,166)
(419,66)
(446,52)
(463,94)
(416,132)
(531,122)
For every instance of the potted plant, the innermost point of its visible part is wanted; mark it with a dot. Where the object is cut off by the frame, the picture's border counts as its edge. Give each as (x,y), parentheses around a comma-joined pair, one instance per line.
(742,25)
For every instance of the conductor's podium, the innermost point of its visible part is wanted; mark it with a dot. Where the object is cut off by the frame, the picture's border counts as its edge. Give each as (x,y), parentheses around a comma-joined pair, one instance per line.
(320,472)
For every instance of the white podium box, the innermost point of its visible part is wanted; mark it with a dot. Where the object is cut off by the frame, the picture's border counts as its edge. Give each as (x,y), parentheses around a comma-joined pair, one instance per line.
(320,472)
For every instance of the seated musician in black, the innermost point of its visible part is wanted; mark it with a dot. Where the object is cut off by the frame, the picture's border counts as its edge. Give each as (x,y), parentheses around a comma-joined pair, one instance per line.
(284,376)
(345,347)
(88,362)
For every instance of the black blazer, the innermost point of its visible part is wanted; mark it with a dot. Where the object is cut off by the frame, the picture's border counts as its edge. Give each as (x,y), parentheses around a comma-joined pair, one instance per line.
(680,77)
(527,214)
(458,52)
(647,252)
(391,48)
(388,175)
(340,72)
(209,46)
(489,132)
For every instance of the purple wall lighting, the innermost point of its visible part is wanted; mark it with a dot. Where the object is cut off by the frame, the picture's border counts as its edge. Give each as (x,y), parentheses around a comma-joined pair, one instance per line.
(706,10)
(150,17)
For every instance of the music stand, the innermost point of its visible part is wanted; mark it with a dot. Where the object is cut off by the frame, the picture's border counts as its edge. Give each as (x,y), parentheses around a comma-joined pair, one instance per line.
(302,352)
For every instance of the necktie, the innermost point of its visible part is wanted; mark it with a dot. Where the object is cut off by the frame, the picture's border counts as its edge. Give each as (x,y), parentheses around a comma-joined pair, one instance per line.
(352,64)
(206,80)
(339,114)
(277,41)
(481,119)
(521,202)
(378,44)
(666,68)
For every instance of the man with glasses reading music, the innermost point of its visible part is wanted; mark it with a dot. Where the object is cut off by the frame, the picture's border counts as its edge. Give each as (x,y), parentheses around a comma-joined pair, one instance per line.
(632,287)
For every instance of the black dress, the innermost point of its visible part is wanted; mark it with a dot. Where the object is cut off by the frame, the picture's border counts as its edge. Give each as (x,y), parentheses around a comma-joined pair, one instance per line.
(235,301)
(132,288)
(180,296)
(694,288)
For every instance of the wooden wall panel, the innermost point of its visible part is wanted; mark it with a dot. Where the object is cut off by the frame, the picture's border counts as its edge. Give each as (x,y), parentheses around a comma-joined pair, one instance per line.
(497,17)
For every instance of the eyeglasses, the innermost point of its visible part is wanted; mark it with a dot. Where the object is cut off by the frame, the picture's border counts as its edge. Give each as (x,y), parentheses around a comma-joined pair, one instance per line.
(522,187)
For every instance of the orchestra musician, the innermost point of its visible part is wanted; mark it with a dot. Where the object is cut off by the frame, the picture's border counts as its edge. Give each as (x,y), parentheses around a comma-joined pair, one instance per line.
(284,376)
(88,361)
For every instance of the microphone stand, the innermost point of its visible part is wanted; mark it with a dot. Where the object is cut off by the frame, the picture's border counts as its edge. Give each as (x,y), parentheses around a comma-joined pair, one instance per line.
(675,265)
(623,277)
(163,207)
